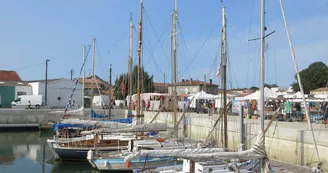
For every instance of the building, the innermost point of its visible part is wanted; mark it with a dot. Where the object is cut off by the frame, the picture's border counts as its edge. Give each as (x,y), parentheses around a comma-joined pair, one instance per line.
(58,91)
(194,86)
(320,93)
(161,87)
(98,85)
(12,86)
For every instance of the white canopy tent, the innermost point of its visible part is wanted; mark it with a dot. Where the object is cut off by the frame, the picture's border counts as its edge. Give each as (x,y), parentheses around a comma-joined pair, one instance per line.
(268,93)
(201,95)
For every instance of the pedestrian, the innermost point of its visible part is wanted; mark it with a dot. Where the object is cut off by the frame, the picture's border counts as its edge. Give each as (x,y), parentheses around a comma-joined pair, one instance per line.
(148,104)
(143,104)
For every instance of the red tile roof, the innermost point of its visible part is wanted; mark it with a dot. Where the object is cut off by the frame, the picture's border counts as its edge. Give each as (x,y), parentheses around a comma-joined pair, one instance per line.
(9,76)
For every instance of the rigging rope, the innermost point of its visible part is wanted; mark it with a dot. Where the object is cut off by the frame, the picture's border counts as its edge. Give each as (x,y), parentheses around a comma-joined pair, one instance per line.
(201,47)
(299,79)
(76,82)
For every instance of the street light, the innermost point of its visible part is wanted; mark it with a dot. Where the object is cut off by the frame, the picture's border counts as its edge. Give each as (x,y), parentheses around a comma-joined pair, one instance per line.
(46,83)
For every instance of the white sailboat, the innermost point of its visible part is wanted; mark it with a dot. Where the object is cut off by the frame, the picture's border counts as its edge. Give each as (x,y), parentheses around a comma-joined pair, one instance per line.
(257,152)
(117,162)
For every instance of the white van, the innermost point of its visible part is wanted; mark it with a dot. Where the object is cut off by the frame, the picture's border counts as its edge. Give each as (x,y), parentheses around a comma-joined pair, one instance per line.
(100,101)
(30,101)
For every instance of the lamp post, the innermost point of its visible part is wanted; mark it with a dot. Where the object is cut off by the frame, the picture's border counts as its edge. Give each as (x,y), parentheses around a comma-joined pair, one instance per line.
(46,83)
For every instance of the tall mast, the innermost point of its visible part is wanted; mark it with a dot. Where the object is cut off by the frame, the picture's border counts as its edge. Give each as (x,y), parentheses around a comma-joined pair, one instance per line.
(110,92)
(83,75)
(261,107)
(130,62)
(139,114)
(174,64)
(224,76)
(93,67)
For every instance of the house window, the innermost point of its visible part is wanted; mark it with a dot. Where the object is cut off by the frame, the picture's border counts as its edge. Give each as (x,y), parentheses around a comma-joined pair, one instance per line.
(21,93)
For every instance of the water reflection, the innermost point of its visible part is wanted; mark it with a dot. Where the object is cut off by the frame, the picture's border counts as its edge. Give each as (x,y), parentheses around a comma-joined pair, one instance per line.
(76,167)
(28,152)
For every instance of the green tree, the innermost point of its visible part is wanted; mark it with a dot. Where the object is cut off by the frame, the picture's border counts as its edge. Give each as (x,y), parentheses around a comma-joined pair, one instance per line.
(313,77)
(270,85)
(254,88)
(147,84)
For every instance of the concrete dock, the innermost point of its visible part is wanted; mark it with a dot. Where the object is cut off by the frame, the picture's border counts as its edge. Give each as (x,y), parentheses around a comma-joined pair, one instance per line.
(33,118)
(289,142)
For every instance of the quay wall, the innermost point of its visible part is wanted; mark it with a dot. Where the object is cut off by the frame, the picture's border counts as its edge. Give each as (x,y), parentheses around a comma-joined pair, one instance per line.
(289,142)
(39,116)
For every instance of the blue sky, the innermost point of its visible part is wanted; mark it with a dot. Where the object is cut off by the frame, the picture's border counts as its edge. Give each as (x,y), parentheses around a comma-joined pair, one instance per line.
(34,30)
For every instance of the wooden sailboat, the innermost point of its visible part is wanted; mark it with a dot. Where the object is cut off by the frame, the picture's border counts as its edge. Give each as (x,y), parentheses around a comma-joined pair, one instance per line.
(118,162)
(69,143)
(197,157)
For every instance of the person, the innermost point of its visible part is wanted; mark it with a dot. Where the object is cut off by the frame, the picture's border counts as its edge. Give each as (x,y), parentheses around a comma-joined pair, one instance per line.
(148,105)
(132,105)
(143,104)
(29,104)
(114,104)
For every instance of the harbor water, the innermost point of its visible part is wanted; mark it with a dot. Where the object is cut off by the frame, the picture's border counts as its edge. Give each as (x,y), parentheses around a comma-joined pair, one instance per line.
(28,152)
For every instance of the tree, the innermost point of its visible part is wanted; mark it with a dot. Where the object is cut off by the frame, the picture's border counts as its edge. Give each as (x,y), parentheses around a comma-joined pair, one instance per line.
(313,77)
(147,84)
(270,85)
(254,88)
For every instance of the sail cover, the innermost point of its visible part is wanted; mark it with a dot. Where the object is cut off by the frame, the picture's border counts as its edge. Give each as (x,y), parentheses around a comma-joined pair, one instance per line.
(256,152)
(173,153)
(136,128)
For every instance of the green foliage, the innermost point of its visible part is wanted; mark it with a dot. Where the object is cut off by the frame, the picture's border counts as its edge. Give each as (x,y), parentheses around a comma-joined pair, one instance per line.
(313,77)
(147,85)
(254,88)
(270,85)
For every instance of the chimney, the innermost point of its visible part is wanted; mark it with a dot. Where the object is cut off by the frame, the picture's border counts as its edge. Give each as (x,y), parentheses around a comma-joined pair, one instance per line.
(190,79)
(183,80)
(210,80)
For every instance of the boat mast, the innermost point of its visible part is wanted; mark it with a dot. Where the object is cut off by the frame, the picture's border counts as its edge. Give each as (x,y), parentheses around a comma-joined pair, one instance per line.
(174,64)
(93,67)
(110,92)
(130,62)
(261,107)
(139,113)
(224,77)
(83,75)
(261,103)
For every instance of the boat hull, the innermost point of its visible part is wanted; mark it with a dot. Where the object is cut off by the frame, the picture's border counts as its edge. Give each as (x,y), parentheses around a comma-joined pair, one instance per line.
(81,153)
(142,163)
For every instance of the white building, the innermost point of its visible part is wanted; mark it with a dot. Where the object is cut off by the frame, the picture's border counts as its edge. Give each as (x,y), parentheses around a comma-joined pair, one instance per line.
(58,91)
(23,88)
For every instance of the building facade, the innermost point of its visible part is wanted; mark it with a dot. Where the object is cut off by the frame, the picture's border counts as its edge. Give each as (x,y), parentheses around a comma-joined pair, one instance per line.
(11,86)
(161,87)
(58,91)
(95,85)
(194,86)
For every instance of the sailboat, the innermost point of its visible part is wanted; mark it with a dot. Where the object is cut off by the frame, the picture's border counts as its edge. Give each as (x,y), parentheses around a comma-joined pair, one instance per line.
(70,143)
(117,162)
(257,159)
(216,158)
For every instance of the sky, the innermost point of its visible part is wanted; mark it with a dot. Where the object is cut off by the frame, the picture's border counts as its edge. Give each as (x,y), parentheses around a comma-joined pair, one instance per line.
(33,31)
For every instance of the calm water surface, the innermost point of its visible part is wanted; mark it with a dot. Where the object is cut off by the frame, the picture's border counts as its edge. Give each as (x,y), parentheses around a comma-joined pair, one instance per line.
(28,152)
